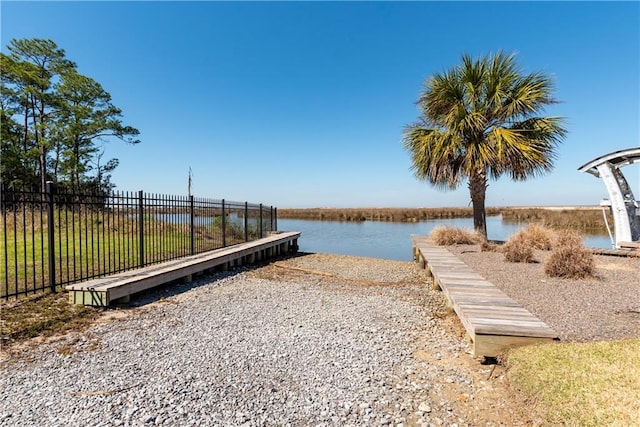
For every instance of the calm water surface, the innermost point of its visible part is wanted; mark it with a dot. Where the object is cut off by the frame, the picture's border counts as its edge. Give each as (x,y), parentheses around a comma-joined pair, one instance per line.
(392,240)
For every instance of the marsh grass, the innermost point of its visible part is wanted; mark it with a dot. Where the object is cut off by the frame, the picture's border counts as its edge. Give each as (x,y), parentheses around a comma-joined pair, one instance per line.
(580,384)
(588,218)
(576,219)
(379,214)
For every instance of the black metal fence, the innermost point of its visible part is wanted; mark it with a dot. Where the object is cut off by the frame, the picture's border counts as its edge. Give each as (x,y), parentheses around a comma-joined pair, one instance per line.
(51,239)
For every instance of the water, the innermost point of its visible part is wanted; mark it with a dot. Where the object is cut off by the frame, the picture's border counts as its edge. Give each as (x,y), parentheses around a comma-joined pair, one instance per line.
(185,218)
(392,240)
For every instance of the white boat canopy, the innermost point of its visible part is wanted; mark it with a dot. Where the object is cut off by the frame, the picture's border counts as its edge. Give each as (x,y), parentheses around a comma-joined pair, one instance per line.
(624,207)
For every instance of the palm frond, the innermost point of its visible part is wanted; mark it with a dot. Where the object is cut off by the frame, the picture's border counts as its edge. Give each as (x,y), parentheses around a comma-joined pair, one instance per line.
(484,114)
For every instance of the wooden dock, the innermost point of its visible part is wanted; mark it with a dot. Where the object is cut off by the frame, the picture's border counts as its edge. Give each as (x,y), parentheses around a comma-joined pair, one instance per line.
(493,321)
(118,287)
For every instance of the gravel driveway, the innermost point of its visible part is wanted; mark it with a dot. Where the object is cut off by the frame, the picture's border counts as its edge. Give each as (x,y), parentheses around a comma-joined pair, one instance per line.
(318,339)
(313,340)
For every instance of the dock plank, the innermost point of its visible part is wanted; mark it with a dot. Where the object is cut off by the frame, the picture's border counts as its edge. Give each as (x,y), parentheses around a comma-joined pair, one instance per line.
(493,320)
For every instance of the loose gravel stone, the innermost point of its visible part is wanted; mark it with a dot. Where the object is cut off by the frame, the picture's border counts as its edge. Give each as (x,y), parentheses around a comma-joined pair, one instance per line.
(319,339)
(242,349)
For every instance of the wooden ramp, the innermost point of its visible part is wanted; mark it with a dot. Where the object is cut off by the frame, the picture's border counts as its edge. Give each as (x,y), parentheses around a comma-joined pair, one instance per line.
(104,290)
(494,322)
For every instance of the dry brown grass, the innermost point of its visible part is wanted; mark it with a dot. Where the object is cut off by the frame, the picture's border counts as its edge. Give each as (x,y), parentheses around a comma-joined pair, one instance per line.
(538,237)
(43,315)
(446,236)
(379,214)
(520,247)
(517,250)
(486,246)
(577,219)
(569,258)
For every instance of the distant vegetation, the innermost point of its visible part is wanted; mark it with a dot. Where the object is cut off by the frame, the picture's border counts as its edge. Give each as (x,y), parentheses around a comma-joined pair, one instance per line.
(589,218)
(577,219)
(379,214)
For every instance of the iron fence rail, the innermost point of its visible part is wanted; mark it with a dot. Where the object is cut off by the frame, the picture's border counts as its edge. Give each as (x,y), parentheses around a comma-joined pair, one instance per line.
(51,239)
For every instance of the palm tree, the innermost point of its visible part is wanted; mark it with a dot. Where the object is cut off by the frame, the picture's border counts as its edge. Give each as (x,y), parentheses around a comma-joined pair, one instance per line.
(480,120)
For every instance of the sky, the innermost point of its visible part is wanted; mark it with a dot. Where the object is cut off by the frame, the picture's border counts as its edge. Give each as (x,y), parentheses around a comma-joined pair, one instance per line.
(303,104)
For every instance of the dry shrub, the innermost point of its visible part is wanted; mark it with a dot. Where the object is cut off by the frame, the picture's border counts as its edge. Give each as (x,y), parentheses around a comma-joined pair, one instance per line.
(538,237)
(568,238)
(517,249)
(520,247)
(486,246)
(446,236)
(569,258)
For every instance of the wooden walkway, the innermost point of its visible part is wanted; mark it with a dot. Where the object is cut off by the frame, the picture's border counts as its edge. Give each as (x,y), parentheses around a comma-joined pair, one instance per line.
(105,290)
(494,322)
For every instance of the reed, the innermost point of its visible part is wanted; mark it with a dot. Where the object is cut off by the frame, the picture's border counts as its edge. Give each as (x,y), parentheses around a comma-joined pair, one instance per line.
(575,219)
(379,214)
(588,218)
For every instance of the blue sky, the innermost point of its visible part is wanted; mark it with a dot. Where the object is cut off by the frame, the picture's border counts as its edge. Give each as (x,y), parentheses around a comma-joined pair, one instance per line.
(303,104)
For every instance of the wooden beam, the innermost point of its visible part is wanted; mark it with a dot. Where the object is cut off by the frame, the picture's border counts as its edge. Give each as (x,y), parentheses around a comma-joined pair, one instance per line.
(102,291)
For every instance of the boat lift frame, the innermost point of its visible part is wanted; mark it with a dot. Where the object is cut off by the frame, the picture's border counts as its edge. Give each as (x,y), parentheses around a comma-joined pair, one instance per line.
(624,207)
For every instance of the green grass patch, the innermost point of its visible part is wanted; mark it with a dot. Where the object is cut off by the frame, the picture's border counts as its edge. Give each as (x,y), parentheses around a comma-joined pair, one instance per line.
(581,384)
(91,243)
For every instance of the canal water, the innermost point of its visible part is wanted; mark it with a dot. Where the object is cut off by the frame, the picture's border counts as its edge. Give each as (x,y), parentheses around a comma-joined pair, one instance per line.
(392,240)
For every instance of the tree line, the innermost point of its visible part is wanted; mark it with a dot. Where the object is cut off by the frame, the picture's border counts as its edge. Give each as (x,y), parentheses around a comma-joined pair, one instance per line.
(54,121)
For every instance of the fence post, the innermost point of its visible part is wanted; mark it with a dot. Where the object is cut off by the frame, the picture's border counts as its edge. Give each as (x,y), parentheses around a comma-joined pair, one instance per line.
(191,213)
(246,221)
(275,219)
(141,223)
(224,227)
(261,220)
(51,237)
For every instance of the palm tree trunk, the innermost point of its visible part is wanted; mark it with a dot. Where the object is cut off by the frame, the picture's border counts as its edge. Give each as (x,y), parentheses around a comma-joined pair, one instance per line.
(478,191)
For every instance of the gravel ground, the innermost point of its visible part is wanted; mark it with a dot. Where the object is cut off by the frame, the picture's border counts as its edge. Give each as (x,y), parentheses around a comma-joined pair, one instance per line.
(605,307)
(317,339)
(312,340)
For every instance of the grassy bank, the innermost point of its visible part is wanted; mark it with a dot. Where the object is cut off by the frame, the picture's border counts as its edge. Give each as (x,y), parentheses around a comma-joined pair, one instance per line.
(588,218)
(89,243)
(580,384)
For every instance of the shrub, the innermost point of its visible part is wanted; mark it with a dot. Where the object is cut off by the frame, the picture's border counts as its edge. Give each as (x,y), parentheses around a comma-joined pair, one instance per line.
(568,238)
(518,249)
(486,246)
(569,258)
(446,236)
(538,237)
